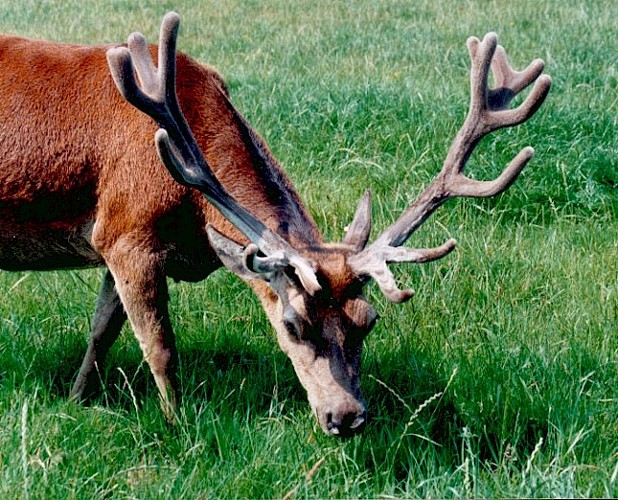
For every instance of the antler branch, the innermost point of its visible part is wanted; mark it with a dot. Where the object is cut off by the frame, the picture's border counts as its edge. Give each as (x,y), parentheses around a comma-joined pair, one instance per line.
(489,111)
(155,95)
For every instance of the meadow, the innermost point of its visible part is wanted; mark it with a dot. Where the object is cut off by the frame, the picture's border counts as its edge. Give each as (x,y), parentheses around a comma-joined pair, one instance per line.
(500,377)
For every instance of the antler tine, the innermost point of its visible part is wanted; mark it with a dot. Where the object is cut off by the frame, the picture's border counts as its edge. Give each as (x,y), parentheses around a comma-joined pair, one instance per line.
(145,68)
(375,265)
(488,112)
(155,95)
(508,81)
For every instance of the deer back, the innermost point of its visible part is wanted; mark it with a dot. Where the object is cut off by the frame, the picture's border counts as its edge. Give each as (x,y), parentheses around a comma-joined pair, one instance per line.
(73,154)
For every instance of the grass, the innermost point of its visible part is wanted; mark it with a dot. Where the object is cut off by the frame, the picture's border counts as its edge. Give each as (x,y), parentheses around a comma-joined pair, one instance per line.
(498,380)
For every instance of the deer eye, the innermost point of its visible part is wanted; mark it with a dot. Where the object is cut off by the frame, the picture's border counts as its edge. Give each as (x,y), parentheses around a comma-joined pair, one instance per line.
(292,328)
(292,323)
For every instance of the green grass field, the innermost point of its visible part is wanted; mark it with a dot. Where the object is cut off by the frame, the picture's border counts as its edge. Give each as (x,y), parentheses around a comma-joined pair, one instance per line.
(499,379)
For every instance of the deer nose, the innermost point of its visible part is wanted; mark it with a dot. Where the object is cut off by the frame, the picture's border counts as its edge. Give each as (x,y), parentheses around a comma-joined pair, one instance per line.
(345,424)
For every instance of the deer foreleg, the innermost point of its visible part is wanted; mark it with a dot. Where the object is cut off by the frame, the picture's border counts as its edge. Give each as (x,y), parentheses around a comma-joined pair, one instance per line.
(141,285)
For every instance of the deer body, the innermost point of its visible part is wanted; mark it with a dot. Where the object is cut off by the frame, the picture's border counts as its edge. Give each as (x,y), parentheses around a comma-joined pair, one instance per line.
(75,156)
(81,185)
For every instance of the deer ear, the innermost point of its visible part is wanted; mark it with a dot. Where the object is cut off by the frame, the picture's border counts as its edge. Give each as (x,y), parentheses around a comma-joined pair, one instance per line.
(231,254)
(360,227)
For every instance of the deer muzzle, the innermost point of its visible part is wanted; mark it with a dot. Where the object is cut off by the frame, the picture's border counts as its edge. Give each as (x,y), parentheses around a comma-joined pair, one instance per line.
(343,418)
(346,423)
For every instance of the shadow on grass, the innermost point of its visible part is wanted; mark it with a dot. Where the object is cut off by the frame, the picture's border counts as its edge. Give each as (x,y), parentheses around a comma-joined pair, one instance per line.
(402,388)
(206,374)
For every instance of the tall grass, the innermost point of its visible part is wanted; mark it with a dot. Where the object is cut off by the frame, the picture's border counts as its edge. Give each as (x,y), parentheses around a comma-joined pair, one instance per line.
(498,380)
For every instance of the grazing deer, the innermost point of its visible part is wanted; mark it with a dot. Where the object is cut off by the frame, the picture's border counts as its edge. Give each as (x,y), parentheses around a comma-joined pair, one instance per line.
(81,185)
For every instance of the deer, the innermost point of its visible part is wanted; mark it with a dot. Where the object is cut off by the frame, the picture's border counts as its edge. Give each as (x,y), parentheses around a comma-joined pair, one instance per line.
(83,184)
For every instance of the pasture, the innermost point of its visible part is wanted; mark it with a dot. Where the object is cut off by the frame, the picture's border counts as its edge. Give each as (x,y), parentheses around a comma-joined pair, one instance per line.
(499,378)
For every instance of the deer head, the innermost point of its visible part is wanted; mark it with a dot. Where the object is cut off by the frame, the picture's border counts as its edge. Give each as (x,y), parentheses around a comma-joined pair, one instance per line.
(313,295)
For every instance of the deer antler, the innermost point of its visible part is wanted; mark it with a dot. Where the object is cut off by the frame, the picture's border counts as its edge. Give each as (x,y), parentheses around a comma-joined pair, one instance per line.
(488,112)
(156,96)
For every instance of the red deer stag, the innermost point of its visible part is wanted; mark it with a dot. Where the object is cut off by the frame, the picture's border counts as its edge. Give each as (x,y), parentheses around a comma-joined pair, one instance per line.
(81,185)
